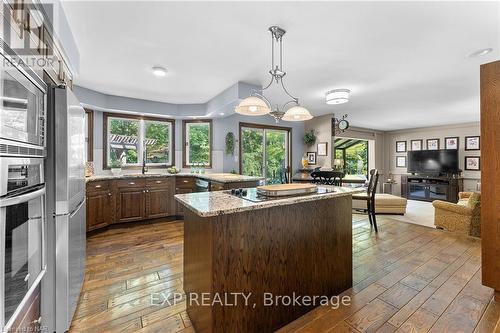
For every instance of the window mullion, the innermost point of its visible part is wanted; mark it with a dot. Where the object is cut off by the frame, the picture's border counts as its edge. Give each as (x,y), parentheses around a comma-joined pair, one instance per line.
(140,142)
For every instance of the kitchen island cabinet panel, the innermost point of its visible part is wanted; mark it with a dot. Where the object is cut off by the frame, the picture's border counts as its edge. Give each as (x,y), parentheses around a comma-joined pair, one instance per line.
(303,248)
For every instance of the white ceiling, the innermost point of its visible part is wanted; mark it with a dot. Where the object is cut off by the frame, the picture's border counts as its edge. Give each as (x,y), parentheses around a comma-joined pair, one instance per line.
(405,62)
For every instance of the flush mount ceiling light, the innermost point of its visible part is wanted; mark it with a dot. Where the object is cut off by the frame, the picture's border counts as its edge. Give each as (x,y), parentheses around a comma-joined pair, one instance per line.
(481,52)
(337,96)
(159,71)
(257,104)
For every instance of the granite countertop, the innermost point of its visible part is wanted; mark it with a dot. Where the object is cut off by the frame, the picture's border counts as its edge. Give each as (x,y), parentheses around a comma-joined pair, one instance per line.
(208,204)
(216,177)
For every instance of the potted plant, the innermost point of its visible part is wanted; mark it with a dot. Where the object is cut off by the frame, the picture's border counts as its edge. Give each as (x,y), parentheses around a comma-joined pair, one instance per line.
(116,167)
(310,138)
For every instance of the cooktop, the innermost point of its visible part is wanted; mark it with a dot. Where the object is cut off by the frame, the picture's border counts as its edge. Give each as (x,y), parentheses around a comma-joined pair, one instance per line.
(251,194)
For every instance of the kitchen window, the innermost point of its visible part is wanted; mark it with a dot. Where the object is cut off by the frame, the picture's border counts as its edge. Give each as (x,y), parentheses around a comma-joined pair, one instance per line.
(130,140)
(197,143)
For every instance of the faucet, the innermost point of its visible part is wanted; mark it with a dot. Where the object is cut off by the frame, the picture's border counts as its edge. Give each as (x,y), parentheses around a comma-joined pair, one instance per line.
(144,167)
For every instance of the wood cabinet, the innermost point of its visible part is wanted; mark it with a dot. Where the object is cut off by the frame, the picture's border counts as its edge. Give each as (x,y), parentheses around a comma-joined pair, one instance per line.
(183,185)
(490,175)
(137,198)
(159,198)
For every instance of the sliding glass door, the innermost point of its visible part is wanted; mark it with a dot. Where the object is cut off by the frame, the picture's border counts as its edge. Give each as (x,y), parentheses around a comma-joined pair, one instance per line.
(265,152)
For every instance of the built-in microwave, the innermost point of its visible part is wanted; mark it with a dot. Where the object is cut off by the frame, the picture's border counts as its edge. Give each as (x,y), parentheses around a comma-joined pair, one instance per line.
(22,103)
(22,234)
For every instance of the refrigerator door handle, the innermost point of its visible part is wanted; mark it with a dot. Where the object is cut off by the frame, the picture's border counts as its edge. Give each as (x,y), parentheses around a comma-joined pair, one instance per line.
(77,209)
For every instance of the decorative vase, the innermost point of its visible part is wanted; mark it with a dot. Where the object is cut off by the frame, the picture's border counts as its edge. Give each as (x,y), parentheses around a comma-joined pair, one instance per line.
(116,171)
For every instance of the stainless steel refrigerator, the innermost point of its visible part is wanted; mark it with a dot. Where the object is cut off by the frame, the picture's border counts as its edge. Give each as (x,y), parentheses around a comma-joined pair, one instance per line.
(66,227)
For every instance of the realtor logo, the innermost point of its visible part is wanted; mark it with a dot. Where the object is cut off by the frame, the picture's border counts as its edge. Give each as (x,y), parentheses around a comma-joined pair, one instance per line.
(27,30)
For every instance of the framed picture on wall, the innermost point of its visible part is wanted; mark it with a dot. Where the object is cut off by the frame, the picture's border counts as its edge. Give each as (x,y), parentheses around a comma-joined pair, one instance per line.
(323,149)
(416,144)
(473,163)
(400,161)
(400,146)
(472,143)
(451,142)
(432,144)
(311,157)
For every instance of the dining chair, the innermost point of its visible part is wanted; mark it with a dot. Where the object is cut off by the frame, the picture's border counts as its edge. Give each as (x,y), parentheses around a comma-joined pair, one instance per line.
(369,197)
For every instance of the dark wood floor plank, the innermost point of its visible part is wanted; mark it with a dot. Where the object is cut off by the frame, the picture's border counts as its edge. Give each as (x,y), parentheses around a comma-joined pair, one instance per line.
(408,278)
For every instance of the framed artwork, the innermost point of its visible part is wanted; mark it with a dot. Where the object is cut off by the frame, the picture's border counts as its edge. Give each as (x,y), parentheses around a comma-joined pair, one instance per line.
(311,157)
(432,144)
(472,143)
(451,142)
(323,149)
(400,146)
(473,163)
(400,161)
(416,144)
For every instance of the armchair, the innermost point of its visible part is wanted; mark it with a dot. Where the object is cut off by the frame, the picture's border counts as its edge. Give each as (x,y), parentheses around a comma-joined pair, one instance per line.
(462,217)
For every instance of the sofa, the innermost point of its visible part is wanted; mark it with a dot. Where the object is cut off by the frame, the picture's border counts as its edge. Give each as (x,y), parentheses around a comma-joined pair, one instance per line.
(384,204)
(463,217)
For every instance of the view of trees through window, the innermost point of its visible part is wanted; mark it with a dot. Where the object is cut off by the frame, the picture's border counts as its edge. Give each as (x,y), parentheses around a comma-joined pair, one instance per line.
(199,145)
(122,148)
(157,142)
(355,155)
(269,162)
(126,138)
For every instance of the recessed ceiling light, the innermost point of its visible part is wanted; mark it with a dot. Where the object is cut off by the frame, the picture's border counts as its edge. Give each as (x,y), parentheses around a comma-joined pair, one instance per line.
(337,96)
(159,71)
(481,52)
(222,113)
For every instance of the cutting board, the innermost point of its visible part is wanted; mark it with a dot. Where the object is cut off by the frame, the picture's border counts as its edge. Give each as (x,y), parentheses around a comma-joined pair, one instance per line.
(286,189)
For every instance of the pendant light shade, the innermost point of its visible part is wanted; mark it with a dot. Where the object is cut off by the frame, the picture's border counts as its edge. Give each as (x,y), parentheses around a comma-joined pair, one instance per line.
(253,106)
(297,113)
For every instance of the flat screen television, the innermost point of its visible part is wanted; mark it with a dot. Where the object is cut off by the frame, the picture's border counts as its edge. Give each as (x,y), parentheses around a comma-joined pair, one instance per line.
(433,161)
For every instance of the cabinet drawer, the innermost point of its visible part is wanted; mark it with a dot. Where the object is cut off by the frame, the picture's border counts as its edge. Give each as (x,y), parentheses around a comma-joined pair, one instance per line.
(184,182)
(132,182)
(97,186)
(158,182)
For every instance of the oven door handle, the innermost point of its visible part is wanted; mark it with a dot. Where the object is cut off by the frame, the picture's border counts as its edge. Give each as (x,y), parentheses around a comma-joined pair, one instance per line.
(22,198)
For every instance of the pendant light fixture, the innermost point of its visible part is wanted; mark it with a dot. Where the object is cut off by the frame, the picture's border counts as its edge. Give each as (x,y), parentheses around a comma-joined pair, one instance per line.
(257,104)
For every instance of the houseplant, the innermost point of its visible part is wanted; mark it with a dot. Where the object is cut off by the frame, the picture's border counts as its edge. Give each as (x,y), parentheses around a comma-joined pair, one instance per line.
(310,138)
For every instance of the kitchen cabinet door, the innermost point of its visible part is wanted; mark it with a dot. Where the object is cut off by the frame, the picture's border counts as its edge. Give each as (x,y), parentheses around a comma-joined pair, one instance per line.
(159,202)
(99,209)
(130,204)
(180,208)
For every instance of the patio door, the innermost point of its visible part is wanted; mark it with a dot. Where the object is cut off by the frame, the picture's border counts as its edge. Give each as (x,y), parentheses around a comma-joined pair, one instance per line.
(265,152)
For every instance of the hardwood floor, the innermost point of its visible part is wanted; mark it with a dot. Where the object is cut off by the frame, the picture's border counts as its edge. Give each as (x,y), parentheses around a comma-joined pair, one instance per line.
(408,278)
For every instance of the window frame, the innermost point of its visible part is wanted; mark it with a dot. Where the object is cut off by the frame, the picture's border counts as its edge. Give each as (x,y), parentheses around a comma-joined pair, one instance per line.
(265,127)
(90,134)
(185,124)
(141,119)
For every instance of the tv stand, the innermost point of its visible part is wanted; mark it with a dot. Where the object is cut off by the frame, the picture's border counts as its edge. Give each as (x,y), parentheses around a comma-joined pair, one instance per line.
(430,188)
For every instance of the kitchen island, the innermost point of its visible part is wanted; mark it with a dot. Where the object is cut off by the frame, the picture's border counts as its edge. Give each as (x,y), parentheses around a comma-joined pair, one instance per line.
(244,260)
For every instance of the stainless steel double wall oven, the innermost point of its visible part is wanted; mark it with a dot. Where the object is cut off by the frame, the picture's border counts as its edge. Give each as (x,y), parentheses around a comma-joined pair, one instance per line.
(22,185)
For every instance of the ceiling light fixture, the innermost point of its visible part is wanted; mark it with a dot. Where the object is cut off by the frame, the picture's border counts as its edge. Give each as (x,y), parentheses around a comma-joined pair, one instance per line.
(337,96)
(481,52)
(257,104)
(159,71)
